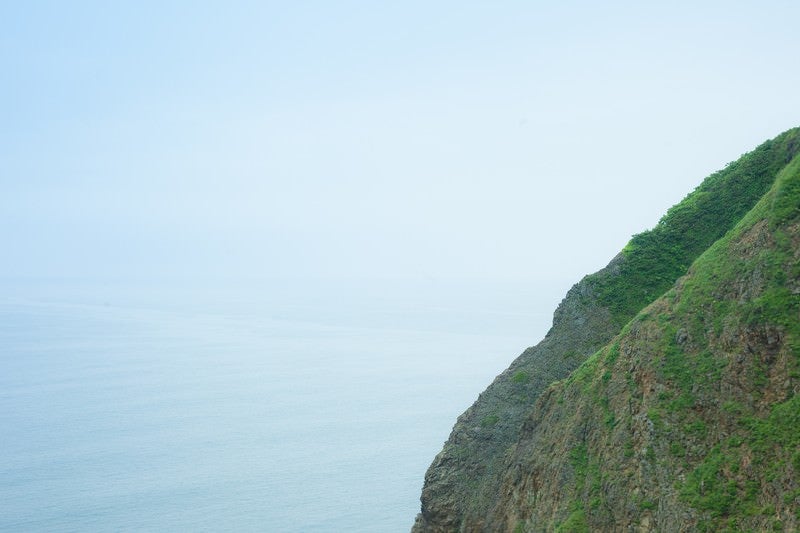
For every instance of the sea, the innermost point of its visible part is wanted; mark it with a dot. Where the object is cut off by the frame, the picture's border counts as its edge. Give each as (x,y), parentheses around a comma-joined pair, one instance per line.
(285,407)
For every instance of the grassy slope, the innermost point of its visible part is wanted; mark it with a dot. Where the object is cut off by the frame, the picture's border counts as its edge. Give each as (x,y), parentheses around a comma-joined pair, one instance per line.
(770,439)
(655,259)
(651,263)
(746,476)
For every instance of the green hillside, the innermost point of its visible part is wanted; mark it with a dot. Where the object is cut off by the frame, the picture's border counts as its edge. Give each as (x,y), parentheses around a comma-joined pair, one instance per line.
(507,435)
(655,259)
(693,411)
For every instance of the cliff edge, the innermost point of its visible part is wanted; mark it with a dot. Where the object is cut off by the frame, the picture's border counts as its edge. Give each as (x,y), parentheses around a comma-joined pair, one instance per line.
(515,459)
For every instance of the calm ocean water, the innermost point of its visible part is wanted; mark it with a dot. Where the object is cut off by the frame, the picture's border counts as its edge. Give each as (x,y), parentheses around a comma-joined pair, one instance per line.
(276,411)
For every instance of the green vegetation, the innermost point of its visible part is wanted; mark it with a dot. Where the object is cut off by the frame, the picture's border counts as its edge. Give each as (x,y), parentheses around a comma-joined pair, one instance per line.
(770,442)
(489,421)
(588,485)
(734,229)
(707,489)
(575,523)
(697,429)
(781,429)
(647,505)
(612,354)
(579,459)
(677,449)
(584,374)
(692,404)
(520,377)
(784,207)
(654,259)
(628,449)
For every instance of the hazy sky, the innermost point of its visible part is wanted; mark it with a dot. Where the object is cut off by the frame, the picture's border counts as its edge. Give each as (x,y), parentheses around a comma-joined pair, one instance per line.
(511,140)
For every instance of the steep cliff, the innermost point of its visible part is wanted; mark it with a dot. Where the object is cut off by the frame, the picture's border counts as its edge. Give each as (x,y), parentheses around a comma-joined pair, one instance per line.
(523,455)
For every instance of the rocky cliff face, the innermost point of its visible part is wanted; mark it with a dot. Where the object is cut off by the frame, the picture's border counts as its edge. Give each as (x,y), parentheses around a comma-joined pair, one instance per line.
(622,428)
(462,482)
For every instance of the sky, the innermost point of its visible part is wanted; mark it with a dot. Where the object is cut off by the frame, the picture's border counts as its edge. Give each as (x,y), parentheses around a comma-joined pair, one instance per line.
(340,140)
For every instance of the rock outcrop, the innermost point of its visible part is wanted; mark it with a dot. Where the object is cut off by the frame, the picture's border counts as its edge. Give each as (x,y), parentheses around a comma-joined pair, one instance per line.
(642,407)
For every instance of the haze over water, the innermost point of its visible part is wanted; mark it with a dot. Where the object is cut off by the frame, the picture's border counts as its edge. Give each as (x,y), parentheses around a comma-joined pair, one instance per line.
(490,154)
(164,409)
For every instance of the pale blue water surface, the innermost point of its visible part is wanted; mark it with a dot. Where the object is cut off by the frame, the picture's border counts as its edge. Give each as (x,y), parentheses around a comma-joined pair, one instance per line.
(271,410)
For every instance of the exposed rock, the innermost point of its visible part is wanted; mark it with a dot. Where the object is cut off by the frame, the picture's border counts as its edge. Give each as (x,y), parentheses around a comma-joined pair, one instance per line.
(695,438)
(642,435)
